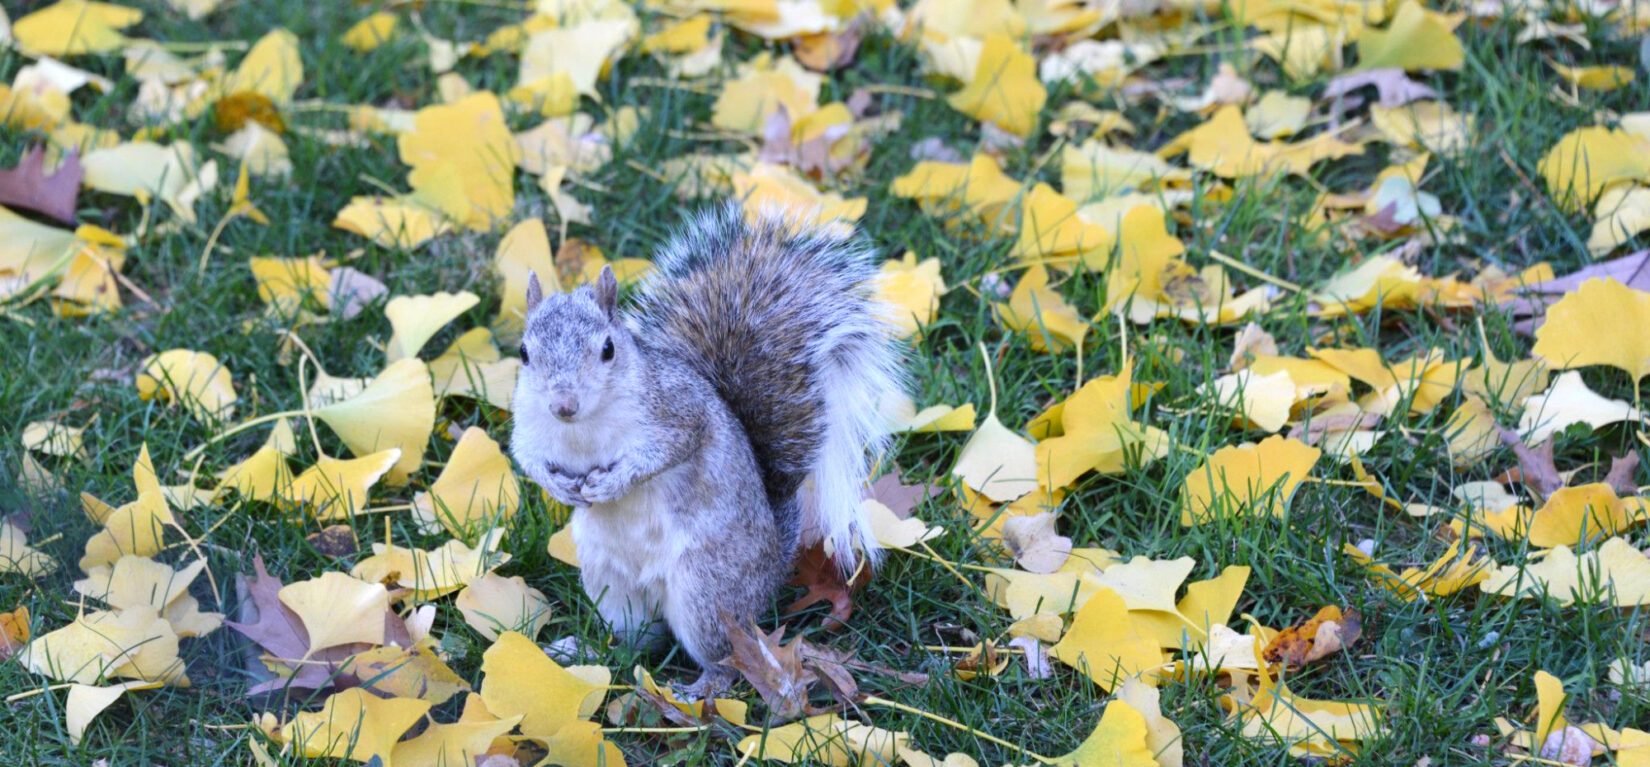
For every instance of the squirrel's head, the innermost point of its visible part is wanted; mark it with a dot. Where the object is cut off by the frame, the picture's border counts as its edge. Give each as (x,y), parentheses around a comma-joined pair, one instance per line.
(574,347)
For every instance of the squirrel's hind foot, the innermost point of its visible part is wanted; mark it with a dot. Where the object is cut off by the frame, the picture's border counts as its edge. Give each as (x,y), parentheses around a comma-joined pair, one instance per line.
(711,682)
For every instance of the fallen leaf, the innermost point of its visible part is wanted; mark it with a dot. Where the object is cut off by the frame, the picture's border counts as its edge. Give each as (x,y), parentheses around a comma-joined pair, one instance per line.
(1035,544)
(1395,89)
(1583,329)
(519,679)
(493,603)
(354,725)
(27,185)
(819,573)
(1326,633)
(1613,573)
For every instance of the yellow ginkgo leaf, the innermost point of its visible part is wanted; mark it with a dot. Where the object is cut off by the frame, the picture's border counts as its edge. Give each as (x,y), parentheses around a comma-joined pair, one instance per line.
(85,702)
(195,380)
(493,603)
(400,222)
(579,50)
(1572,515)
(272,68)
(978,187)
(1567,403)
(825,739)
(472,181)
(74,27)
(447,744)
(996,462)
(1247,480)
(1261,400)
(1472,431)
(1052,233)
(354,724)
(1587,160)
(416,319)
(395,411)
(135,644)
(524,250)
(54,438)
(286,283)
(1431,125)
(264,475)
(17,557)
(1505,383)
(581,744)
(337,609)
(1615,573)
(747,101)
(331,489)
(134,528)
(1098,434)
(406,672)
(903,415)
(562,547)
(371,32)
(1042,314)
(1093,170)
(1119,740)
(1584,328)
(911,292)
(519,679)
(1207,604)
(135,581)
(1621,215)
(430,574)
(893,532)
(476,487)
(1223,146)
(1313,726)
(1417,38)
(1005,90)
(1598,78)
(1104,645)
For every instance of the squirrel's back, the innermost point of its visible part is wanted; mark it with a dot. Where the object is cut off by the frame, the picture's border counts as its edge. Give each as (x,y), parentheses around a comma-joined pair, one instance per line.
(784,326)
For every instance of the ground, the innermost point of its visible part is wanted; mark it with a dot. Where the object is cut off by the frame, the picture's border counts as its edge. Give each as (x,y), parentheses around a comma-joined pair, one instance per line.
(1444,668)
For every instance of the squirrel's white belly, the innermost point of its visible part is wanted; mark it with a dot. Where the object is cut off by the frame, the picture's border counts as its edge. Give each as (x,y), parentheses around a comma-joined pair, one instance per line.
(627,552)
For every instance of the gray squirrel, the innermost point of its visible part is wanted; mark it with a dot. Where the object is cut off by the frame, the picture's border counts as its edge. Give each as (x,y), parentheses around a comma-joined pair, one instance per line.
(704,438)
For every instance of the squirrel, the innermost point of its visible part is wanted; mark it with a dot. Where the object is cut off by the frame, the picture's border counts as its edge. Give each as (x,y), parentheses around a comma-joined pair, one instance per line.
(705,437)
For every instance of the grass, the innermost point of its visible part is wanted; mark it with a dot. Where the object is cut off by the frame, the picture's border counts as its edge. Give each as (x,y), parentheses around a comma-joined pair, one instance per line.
(1443,668)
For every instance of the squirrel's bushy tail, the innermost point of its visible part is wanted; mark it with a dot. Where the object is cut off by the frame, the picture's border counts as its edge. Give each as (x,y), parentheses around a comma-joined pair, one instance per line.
(784,325)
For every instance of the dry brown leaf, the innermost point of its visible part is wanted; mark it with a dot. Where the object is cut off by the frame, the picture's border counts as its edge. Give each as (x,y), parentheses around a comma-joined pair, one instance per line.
(1535,465)
(1622,470)
(28,186)
(775,670)
(14,631)
(819,573)
(1328,632)
(334,541)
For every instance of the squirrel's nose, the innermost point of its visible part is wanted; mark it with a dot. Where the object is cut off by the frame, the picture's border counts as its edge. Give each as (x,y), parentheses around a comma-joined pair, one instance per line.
(566,409)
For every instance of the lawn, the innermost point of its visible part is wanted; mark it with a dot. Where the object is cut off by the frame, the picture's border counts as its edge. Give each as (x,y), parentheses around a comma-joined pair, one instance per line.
(1428,667)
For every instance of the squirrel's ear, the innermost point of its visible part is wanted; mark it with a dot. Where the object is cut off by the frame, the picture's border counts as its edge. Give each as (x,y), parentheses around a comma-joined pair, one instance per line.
(607,291)
(535,291)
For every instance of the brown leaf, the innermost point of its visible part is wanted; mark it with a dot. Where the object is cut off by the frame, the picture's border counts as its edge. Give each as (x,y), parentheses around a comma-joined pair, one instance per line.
(1034,543)
(1395,88)
(28,186)
(353,290)
(1622,470)
(775,670)
(830,666)
(571,257)
(1535,465)
(899,497)
(334,541)
(1328,632)
(234,111)
(1632,270)
(14,631)
(819,573)
(827,51)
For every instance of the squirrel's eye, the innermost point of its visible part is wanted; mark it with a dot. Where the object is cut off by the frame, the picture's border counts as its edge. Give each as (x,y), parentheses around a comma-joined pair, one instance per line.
(607,350)
(524,354)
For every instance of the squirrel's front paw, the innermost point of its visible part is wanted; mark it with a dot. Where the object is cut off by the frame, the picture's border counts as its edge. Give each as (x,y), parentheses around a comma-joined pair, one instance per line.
(563,487)
(603,486)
